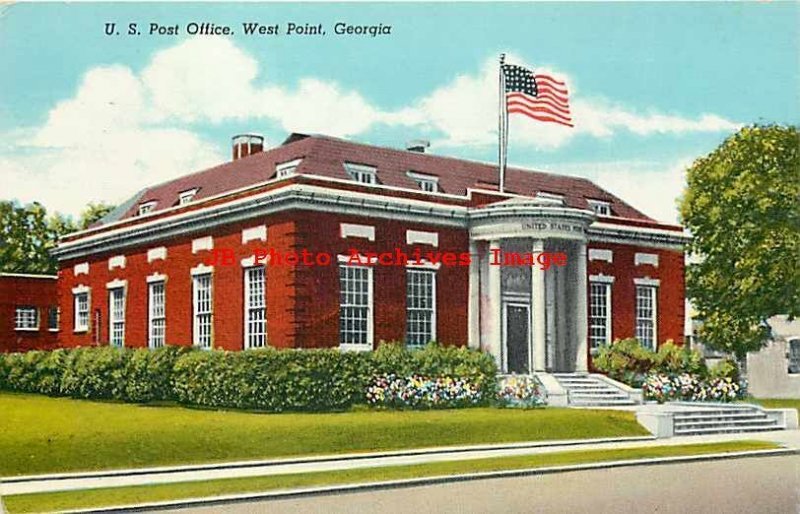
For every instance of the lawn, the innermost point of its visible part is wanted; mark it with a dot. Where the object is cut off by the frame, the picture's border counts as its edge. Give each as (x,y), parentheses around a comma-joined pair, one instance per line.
(44,502)
(782,403)
(46,435)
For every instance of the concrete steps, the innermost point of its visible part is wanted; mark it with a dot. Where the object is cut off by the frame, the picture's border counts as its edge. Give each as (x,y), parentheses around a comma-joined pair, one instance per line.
(584,390)
(723,420)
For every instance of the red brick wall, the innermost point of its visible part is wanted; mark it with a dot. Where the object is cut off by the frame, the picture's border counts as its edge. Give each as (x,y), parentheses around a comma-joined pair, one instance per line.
(26,291)
(670,301)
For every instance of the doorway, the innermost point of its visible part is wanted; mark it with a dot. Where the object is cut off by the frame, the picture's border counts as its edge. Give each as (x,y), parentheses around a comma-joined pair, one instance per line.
(516,336)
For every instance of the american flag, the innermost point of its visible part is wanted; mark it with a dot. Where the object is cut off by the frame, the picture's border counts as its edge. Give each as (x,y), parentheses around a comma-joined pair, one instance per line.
(536,95)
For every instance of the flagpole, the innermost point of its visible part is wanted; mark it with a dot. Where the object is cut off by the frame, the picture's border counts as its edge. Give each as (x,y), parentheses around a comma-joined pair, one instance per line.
(503,126)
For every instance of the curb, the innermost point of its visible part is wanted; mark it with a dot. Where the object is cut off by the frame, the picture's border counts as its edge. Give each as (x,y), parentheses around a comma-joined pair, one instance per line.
(321,458)
(434,480)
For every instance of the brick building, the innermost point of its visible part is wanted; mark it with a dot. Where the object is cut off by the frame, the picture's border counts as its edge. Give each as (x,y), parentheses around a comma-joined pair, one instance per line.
(29,312)
(148,274)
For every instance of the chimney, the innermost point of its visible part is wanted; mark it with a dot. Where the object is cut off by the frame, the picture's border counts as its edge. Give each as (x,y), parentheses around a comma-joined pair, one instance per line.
(418,145)
(247,144)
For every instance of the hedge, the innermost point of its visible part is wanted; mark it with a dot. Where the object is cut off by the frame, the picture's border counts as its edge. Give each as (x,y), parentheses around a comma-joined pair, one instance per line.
(266,379)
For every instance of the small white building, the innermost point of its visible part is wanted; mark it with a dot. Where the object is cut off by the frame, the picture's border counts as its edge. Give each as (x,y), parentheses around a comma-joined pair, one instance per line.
(774,371)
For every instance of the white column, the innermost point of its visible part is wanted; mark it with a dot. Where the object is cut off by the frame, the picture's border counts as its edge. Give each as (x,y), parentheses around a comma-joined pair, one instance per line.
(539,329)
(581,321)
(494,318)
(473,312)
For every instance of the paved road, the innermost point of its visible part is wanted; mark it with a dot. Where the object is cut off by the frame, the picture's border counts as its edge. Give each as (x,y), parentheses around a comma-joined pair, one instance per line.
(752,485)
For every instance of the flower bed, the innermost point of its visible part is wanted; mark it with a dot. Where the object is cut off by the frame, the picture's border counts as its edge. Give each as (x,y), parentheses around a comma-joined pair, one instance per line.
(417,392)
(688,387)
(522,392)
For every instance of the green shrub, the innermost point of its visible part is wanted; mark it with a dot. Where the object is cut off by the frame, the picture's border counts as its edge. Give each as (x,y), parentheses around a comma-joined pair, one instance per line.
(268,379)
(726,368)
(629,362)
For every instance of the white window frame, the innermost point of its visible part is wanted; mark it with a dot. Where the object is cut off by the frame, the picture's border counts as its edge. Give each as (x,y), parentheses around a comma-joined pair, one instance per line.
(362,173)
(255,307)
(599,313)
(350,299)
(287,169)
(146,207)
(600,207)
(202,314)
(116,316)
(80,302)
(156,313)
(427,183)
(644,323)
(415,314)
(187,196)
(26,318)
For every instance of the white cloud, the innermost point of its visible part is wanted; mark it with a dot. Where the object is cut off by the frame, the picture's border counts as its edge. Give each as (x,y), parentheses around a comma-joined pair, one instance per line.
(466,109)
(651,187)
(124,130)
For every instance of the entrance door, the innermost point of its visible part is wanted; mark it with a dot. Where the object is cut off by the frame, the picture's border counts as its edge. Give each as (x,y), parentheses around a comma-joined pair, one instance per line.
(517,317)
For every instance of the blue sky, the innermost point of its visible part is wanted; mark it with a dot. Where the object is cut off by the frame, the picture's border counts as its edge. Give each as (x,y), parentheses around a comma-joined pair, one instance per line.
(88,117)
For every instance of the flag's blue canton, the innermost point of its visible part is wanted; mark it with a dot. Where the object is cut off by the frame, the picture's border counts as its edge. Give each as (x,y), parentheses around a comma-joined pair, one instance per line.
(519,80)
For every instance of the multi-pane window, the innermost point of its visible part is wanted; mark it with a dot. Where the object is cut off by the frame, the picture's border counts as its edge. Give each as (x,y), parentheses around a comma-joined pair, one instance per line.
(794,355)
(255,307)
(156,314)
(26,318)
(599,314)
(420,307)
(203,311)
(81,311)
(362,173)
(53,318)
(186,196)
(646,315)
(355,306)
(116,316)
(146,208)
(600,207)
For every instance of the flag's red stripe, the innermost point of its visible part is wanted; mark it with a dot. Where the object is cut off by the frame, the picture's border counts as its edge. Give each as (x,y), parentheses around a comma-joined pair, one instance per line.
(551,82)
(544,98)
(535,101)
(542,118)
(550,78)
(526,109)
(552,92)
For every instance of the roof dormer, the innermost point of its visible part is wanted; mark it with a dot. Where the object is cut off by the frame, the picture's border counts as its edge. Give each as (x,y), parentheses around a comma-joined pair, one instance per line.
(362,173)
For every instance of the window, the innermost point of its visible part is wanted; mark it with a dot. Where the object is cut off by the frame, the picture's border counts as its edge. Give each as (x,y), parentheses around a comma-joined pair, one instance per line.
(81,302)
(186,196)
(287,169)
(794,355)
(146,207)
(53,318)
(599,314)
(420,307)
(116,316)
(355,306)
(203,311)
(255,307)
(26,318)
(156,314)
(600,207)
(427,183)
(646,316)
(362,173)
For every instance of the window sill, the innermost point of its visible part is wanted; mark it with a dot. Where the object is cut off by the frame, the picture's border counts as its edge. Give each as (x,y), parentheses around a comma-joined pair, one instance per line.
(26,329)
(53,330)
(81,330)
(356,347)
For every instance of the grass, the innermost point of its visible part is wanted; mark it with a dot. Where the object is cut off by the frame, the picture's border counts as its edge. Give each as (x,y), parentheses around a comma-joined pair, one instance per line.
(47,435)
(783,403)
(93,498)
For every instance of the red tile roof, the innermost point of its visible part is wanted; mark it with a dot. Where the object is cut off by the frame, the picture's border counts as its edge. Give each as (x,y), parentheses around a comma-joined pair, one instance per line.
(325,156)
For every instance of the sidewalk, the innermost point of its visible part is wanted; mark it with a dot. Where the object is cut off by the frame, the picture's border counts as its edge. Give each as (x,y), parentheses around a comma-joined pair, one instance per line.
(75,481)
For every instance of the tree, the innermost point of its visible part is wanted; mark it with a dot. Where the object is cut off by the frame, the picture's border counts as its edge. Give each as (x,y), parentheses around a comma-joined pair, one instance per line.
(742,206)
(26,238)
(93,212)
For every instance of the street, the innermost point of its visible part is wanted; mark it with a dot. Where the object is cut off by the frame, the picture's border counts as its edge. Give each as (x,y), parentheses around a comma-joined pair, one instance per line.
(763,485)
